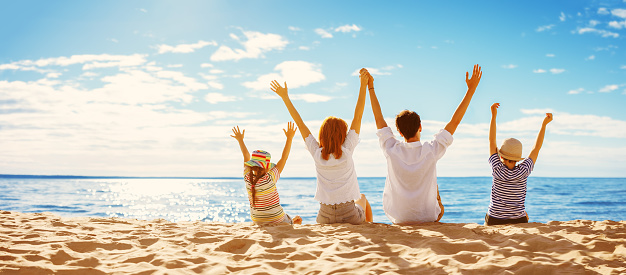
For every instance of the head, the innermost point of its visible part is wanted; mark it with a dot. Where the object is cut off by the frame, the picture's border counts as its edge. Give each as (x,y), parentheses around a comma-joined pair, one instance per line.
(332,135)
(510,152)
(408,124)
(259,164)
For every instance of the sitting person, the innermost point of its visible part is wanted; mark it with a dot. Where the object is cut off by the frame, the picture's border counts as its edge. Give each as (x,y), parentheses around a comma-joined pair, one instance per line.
(411,194)
(260,176)
(508,192)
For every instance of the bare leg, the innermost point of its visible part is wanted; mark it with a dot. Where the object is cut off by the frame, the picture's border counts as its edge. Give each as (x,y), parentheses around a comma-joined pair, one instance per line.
(440,205)
(365,205)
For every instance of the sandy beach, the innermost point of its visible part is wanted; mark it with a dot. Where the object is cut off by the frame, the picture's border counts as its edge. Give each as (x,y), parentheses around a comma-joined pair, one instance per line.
(43,243)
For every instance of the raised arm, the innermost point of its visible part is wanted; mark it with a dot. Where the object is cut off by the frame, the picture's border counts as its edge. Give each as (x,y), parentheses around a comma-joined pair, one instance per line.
(238,135)
(378,113)
(460,110)
(360,102)
(535,152)
(290,132)
(284,95)
(493,147)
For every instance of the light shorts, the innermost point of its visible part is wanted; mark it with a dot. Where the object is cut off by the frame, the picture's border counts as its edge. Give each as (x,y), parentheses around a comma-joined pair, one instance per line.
(347,212)
(288,219)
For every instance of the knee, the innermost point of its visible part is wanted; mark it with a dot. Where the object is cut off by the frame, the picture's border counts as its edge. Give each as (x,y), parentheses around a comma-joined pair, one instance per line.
(363,197)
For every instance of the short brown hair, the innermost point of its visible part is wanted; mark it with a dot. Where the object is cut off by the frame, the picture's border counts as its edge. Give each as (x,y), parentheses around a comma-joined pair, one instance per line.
(407,123)
(332,135)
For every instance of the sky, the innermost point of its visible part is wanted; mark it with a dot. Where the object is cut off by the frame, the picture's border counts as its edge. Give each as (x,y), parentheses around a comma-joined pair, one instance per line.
(153,88)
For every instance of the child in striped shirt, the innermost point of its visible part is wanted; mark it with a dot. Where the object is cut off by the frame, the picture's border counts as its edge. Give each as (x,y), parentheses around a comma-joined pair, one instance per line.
(260,176)
(508,192)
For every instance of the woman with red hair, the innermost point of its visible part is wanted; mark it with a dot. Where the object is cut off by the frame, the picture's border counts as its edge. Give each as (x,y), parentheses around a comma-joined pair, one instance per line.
(337,185)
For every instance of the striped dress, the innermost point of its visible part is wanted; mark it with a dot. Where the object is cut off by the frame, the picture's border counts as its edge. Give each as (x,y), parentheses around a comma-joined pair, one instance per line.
(508,192)
(266,208)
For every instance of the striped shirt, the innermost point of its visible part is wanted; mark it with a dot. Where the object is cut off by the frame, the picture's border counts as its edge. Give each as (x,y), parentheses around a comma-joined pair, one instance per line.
(508,192)
(266,208)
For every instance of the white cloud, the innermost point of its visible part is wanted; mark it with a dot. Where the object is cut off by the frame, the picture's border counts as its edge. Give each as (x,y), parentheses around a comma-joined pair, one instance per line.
(292,28)
(545,28)
(206,65)
(536,111)
(184,48)
(619,13)
(591,57)
(509,66)
(175,66)
(623,67)
(215,98)
(90,62)
(311,98)
(378,71)
(257,43)
(216,71)
(550,55)
(348,28)
(143,10)
(539,71)
(617,24)
(556,71)
(603,33)
(609,88)
(593,23)
(562,17)
(304,48)
(323,33)
(296,73)
(603,11)
(576,91)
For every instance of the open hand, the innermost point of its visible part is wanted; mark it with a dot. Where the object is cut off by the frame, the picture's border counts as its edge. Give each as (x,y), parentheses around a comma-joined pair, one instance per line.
(238,135)
(476,75)
(291,130)
(280,91)
(548,118)
(494,109)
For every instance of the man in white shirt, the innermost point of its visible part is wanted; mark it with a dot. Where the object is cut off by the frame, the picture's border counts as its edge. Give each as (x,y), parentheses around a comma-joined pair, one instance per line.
(411,193)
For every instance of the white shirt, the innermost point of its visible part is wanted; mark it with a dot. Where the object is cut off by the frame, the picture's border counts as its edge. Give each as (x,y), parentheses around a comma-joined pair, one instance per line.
(410,193)
(336,178)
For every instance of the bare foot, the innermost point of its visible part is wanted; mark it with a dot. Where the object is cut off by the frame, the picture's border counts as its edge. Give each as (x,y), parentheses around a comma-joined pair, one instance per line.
(297,220)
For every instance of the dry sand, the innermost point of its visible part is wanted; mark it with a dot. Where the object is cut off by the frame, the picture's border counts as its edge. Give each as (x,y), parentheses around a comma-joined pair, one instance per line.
(46,243)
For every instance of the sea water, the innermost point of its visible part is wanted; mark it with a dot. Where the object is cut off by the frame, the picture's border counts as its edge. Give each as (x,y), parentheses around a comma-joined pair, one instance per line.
(224,199)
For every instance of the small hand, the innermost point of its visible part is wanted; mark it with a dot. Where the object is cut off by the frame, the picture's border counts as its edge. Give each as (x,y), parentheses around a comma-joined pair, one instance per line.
(370,82)
(280,91)
(548,118)
(494,109)
(291,130)
(238,135)
(476,75)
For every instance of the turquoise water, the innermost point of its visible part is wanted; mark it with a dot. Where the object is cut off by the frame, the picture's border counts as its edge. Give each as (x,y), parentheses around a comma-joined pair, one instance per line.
(465,199)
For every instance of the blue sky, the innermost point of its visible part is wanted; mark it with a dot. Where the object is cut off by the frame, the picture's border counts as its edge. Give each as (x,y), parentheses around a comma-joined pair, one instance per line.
(152,88)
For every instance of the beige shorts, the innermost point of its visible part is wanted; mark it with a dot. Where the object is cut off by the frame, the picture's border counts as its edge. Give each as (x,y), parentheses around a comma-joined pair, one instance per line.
(347,212)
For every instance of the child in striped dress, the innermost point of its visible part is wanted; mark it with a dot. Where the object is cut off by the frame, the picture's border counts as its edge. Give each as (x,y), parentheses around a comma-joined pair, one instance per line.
(508,192)
(260,176)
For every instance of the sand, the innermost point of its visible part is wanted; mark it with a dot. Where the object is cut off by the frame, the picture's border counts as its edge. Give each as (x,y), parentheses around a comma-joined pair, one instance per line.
(44,243)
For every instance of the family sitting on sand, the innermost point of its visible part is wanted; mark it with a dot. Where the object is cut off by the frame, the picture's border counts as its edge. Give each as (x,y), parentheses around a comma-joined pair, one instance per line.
(411,193)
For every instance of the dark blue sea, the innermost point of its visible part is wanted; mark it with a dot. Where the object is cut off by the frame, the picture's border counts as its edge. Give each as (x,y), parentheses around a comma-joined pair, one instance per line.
(223,199)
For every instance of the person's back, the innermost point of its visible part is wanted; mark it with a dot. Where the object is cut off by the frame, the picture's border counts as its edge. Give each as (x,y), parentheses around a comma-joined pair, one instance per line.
(410,193)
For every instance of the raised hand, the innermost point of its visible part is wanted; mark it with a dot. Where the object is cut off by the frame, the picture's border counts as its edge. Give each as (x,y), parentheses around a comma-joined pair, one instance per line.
(476,75)
(280,91)
(364,75)
(547,119)
(291,130)
(370,82)
(238,135)
(494,109)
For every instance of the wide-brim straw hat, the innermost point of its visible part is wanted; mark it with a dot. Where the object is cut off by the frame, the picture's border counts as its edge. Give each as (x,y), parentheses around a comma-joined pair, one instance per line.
(511,149)
(260,158)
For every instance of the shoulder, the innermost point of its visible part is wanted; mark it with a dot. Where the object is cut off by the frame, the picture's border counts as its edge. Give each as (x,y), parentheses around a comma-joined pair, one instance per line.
(444,137)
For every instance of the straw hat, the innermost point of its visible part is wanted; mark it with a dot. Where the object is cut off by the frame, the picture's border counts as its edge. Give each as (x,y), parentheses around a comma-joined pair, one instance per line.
(260,158)
(511,149)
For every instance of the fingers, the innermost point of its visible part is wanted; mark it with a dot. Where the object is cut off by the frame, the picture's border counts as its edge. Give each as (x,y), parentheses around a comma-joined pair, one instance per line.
(285,84)
(466,76)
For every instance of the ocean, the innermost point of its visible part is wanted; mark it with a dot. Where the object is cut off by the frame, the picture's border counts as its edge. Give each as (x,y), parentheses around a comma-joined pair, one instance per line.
(224,200)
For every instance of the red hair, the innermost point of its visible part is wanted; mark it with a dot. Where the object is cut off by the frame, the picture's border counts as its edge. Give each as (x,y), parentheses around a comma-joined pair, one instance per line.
(256,173)
(332,135)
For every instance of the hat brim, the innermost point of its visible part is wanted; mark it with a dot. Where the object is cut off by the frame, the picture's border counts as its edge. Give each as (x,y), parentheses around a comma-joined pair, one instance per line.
(505,156)
(253,163)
